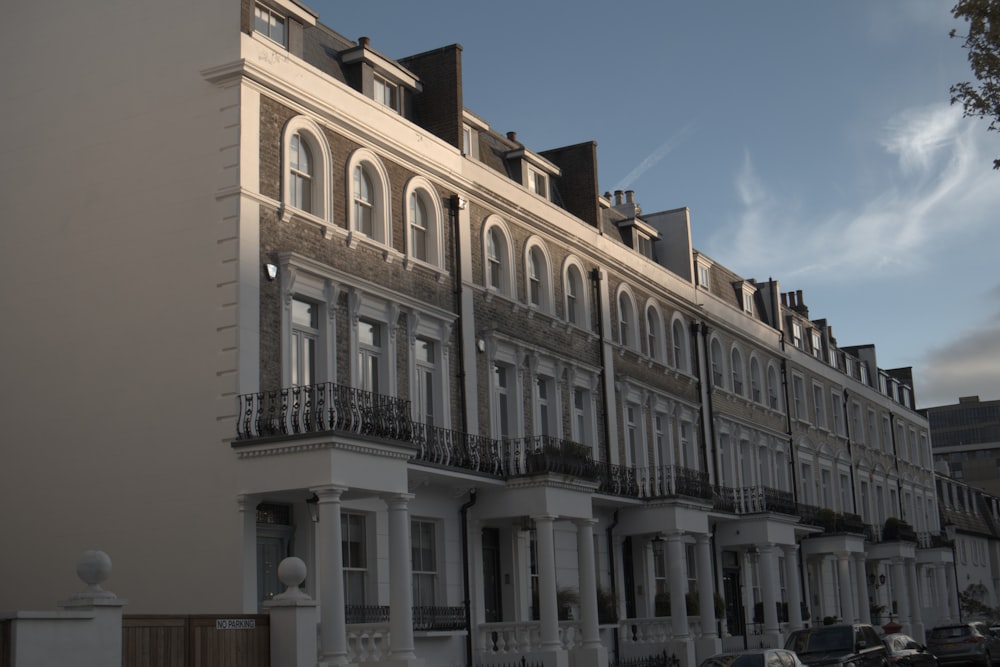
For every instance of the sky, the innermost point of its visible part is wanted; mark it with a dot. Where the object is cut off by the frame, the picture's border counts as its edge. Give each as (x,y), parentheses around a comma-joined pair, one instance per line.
(813,143)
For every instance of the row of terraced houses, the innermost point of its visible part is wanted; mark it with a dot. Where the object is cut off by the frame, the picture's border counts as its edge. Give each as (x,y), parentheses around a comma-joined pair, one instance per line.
(290,297)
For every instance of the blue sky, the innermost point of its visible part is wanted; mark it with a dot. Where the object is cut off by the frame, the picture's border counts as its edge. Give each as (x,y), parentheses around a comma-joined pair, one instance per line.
(812,141)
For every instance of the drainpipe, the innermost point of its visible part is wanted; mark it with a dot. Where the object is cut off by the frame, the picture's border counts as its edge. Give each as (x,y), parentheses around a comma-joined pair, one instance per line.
(788,420)
(464,513)
(850,452)
(611,569)
(454,205)
(595,279)
(706,408)
(895,458)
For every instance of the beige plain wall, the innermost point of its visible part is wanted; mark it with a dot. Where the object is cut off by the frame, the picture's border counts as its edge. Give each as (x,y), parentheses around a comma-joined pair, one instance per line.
(114,331)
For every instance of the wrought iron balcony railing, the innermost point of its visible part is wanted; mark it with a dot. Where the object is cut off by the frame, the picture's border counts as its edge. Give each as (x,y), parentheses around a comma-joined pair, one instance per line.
(753,500)
(653,481)
(322,407)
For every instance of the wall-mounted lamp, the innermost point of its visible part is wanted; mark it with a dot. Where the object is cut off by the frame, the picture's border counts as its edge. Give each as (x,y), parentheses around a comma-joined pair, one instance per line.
(313,504)
(271,271)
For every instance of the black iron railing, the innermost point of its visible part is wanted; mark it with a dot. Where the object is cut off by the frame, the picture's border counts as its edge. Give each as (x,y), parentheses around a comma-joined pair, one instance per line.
(753,500)
(322,407)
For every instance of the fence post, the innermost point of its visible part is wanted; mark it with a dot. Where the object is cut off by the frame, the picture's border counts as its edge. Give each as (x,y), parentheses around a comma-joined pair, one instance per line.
(293,619)
(103,645)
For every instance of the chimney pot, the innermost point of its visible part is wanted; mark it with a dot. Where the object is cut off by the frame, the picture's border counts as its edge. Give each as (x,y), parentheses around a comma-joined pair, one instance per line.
(364,41)
(618,197)
(784,299)
(630,196)
(512,135)
(798,297)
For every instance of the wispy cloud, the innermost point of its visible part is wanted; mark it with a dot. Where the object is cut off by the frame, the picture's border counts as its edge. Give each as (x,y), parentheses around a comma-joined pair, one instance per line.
(650,160)
(942,183)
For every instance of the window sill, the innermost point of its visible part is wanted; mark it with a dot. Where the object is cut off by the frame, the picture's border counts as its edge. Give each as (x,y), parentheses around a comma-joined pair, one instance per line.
(288,213)
(410,262)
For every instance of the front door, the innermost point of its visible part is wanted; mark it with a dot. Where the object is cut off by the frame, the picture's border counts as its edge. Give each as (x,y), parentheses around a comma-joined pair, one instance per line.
(491,575)
(735,620)
(270,552)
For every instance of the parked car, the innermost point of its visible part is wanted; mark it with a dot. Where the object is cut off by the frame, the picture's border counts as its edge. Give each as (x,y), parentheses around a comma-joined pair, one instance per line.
(906,651)
(760,657)
(964,642)
(857,645)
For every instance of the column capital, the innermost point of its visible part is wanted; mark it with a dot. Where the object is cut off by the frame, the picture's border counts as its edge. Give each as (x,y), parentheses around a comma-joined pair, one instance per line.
(701,538)
(585,522)
(790,549)
(328,492)
(398,500)
(544,517)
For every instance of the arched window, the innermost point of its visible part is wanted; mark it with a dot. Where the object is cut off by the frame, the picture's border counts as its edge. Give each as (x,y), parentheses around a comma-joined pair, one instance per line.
(681,361)
(737,369)
(718,369)
(305,179)
(574,295)
(538,283)
(496,250)
(423,219)
(756,395)
(772,388)
(363,210)
(654,335)
(300,164)
(626,320)
(368,184)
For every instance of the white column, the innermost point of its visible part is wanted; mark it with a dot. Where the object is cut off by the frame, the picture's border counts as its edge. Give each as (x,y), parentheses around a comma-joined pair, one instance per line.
(807,588)
(248,515)
(847,612)
(706,588)
(547,604)
(792,585)
(333,622)
(949,577)
(677,576)
(826,587)
(900,594)
(916,612)
(864,612)
(400,579)
(768,565)
(588,583)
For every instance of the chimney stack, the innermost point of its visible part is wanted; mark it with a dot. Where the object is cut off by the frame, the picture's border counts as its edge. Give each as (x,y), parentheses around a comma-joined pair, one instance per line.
(364,41)
(512,135)
(618,197)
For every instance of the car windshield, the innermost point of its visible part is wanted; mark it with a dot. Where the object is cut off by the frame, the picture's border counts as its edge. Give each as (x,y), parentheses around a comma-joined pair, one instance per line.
(735,660)
(822,640)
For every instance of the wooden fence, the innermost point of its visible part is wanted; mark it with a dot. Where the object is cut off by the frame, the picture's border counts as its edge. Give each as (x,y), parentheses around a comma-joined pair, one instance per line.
(236,640)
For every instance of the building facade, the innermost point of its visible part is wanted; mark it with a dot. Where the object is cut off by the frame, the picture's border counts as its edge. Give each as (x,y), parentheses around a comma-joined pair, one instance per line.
(496,412)
(966,438)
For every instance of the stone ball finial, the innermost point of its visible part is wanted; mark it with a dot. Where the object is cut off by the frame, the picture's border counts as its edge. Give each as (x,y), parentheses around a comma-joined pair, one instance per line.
(292,572)
(93,567)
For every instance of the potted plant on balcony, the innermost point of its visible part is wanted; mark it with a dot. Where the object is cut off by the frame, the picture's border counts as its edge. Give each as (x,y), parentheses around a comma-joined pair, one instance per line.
(896,530)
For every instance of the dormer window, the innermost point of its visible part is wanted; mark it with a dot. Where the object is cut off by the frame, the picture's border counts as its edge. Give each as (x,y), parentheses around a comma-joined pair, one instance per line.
(797,335)
(538,183)
(387,93)
(270,25)
(817,348)
(748,289)
(704,272)
(644,244)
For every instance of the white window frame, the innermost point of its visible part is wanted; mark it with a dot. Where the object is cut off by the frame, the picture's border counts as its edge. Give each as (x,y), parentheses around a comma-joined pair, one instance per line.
(537,276)
(419,570)
(361,569)
(387,93)
(801,412)
(737,371)
(272,18)
(654,332)
(378,200)
(756,380)
(628,329)
(502,263)
(311,136)
(299,283)
(678,334)
(577,303)
(420,189)
(717,363)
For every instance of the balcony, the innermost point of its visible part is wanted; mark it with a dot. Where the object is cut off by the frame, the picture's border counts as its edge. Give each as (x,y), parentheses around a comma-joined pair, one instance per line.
(833,523)
(753,500)
(425,619)
(322,408)
(653,481)
(332,408)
